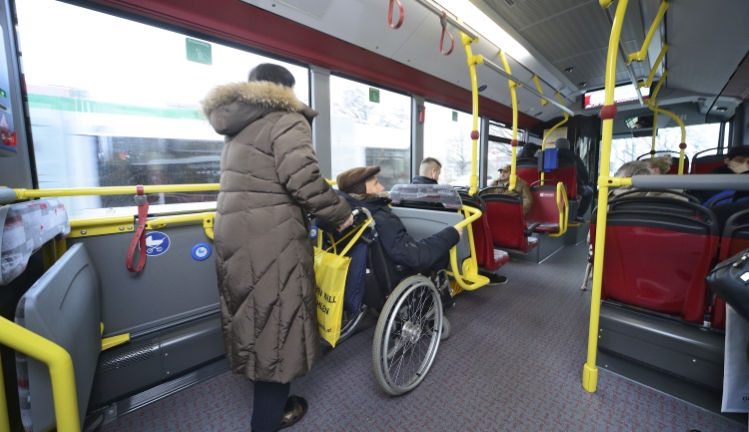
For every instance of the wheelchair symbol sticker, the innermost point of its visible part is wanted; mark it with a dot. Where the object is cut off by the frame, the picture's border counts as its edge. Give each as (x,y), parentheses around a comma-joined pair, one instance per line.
(201,251)
(157,243)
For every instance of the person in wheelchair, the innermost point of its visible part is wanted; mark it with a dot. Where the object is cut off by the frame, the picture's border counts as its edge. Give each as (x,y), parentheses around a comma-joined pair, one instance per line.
(360,187)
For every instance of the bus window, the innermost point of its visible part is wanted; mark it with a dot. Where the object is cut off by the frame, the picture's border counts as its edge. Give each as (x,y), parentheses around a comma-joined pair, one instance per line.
(500,151)
(447,137)
(370,126)
(115,102)
(699,137)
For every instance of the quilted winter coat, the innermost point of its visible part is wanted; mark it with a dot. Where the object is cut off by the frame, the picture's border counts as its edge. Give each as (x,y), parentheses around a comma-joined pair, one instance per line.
(270,180)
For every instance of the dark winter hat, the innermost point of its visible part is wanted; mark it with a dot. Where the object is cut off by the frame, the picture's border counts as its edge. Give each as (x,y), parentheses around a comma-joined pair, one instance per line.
(352,181)
(562,143)
(738,151)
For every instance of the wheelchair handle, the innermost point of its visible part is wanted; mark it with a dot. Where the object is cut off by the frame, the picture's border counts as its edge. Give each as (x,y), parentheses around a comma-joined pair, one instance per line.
(361,215)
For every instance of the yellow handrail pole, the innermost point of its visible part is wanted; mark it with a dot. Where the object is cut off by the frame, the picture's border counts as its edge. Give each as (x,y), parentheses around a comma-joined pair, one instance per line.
(4,419)
(60,370)
(661,80)
(473,60)
(651,76)
(680,122)
(22,194)
(476,280)
(544,102)
(514,141)
(553,128)
(655,132)
(640,55)
(608,112)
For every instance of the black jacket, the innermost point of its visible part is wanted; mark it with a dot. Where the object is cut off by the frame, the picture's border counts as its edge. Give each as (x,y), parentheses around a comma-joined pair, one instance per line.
(582,172)
(704,195)
(423,180)
(397,243)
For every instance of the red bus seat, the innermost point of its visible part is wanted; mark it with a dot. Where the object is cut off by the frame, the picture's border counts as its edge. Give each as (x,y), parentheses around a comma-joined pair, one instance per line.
(566,173)
(674,169)
(486,256)
(658,260)
(735,239)
(506,222)
(527,172)
(544,215)
(705,164)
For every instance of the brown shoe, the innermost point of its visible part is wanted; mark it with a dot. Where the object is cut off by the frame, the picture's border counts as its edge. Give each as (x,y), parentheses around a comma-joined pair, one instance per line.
(296,408)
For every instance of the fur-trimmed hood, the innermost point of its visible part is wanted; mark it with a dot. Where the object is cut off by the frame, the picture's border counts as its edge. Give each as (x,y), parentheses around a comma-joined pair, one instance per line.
(231,107)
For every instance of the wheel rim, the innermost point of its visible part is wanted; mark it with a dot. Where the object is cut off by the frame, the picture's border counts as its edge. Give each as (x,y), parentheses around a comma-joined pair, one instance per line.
(411,338)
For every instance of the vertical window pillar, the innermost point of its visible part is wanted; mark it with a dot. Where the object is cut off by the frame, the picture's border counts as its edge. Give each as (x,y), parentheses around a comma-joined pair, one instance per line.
(417,135)
(320,102)
(483,152)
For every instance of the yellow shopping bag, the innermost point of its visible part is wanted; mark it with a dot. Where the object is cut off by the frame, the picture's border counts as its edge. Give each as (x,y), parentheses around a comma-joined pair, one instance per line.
(330,275)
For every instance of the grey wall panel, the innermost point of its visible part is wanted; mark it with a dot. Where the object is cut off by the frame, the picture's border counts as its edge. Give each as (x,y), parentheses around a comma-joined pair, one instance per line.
(172,286)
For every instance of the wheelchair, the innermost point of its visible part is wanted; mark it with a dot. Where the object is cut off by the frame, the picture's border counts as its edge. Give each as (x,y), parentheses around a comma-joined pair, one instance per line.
(408,302)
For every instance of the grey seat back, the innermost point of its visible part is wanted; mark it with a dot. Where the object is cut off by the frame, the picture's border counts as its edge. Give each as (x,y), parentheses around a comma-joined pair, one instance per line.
(421,223)
(63,306)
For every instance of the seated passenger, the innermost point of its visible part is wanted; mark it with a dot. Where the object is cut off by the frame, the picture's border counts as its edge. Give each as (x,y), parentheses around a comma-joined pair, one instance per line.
(528,153)
(659,165)
(360,187)
(429,172)
(634,168)
(521,188)
(736,162)
(586,192)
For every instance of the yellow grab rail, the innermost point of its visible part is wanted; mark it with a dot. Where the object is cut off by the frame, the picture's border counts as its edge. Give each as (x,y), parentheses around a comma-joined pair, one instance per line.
(23,194)
(470,279)
(640,55)
(473,60)
(548,134)
(109,225)
(563,206)
(608,112)
(653,105)
(651,76)
(514,141)
(544,102)
(60,370)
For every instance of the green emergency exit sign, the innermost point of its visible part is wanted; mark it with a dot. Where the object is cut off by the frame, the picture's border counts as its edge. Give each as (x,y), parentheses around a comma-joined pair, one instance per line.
(198,51)
(374,95)
(455,116)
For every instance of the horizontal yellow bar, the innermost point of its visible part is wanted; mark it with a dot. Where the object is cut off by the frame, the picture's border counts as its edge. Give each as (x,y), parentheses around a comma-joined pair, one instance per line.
(113,341)
(23,194)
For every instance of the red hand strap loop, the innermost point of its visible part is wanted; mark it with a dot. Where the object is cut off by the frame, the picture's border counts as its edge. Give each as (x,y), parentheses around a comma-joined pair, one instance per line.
(443,21)
(390,15)
(140,233)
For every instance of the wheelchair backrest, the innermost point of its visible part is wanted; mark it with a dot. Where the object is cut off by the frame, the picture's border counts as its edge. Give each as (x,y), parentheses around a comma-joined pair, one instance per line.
(422,223)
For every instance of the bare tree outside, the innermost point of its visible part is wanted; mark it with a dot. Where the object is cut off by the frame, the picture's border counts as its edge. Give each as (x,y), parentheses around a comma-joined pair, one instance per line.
(355,104)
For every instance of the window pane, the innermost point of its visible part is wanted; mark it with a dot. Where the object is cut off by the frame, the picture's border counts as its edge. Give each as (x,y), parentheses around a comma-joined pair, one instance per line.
(500,154)
(447,137)
(370,126)
(699,137)
(115,102)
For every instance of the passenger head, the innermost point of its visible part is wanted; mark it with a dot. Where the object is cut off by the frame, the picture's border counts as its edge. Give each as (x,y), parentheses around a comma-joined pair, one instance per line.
(633,168)
(562,143)
(360,180)
(530,150)
(737,159)
(659,165)
(272,73)
(430,167)
(504,173)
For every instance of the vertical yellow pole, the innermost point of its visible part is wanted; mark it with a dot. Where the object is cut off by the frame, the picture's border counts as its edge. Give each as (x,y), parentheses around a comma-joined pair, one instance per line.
(4,419)
(514,141)
(655,132)
(608,112)
(472,62)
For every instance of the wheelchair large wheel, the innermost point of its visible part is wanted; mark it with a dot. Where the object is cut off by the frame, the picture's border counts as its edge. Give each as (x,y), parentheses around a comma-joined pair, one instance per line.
(407,335)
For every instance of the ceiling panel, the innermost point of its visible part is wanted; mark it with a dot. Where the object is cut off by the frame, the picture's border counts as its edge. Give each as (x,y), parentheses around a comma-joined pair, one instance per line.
(525,13)
(702,34)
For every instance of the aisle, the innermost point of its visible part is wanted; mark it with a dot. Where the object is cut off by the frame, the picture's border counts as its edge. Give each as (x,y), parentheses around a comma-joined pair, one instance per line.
(514,362)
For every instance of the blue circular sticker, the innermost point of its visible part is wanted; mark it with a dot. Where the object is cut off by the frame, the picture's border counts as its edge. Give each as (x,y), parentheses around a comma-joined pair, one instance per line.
(313,232)
(201,251)
(157,243)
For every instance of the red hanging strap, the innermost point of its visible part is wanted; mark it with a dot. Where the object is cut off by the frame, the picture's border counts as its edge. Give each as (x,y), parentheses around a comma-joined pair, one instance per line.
(443,22)
(390,15)
(140,233)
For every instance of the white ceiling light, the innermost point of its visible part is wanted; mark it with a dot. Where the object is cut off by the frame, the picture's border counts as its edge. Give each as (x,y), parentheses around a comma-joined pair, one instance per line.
(472,17)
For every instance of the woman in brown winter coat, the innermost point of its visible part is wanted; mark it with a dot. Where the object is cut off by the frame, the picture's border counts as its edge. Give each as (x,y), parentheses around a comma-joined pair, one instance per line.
(270,181)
